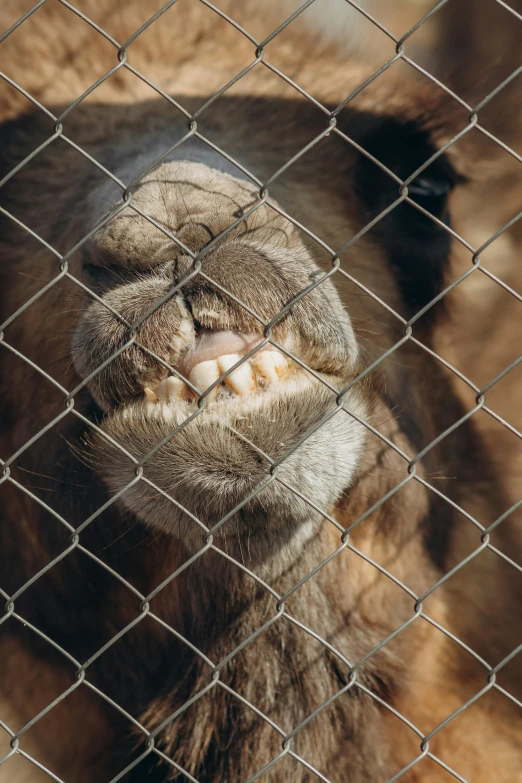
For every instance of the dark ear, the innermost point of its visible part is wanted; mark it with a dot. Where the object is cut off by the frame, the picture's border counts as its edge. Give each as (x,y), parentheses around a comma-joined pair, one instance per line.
(476,51)
(416,245)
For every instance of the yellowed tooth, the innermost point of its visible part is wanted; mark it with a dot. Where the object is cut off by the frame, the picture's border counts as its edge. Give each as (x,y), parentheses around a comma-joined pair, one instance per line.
(203,375)
(271,365)
(149,394)
(281,363)
(172,388)
(242,380)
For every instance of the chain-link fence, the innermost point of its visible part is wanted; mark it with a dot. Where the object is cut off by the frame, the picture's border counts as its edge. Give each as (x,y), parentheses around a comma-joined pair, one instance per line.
(290,762)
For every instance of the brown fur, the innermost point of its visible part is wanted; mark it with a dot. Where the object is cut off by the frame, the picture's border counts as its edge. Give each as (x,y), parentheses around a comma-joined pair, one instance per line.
(417,537)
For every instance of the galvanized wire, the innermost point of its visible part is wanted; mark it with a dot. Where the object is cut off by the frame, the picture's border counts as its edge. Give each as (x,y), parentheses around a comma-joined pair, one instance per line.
(57,127)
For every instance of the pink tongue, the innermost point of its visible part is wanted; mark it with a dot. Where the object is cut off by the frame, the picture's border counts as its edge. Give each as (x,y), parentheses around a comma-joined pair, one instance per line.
(210,345)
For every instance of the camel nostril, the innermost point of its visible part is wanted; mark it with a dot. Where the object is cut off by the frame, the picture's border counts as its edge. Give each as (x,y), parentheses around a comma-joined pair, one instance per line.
(102,270)
(102,278)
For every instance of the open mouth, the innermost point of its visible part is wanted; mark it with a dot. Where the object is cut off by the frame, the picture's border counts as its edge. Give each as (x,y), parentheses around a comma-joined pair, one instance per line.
(205,366)
(209,458)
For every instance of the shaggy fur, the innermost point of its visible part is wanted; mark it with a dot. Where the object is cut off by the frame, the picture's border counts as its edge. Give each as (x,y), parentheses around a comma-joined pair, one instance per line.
(172,645)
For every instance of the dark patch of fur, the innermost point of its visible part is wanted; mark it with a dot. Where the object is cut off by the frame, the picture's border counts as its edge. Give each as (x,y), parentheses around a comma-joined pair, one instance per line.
(417,247)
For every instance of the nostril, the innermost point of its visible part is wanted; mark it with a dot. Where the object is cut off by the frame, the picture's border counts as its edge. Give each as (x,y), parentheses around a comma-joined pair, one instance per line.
(97,278)
(104,270)
(102,276)
(91,272)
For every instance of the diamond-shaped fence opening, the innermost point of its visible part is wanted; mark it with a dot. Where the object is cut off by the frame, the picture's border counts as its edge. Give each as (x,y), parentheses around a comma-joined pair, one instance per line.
(300,561)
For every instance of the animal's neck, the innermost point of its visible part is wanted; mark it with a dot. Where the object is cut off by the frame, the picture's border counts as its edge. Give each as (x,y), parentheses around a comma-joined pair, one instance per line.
(350,604)
(303,650)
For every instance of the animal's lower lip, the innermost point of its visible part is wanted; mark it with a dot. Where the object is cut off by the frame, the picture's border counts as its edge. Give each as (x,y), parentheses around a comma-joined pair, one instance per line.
(228,409)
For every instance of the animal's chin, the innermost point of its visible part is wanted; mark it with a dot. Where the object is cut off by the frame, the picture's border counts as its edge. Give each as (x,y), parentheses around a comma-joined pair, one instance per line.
(241,450)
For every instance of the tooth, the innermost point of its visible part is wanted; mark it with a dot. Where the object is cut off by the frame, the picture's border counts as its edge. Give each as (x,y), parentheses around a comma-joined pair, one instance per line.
(281,363)
(272,365)
(171,388)
(149,394)
(203,375)
(242,380)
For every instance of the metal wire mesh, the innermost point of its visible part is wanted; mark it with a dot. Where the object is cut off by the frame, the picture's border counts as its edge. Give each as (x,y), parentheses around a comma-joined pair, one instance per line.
(58,130)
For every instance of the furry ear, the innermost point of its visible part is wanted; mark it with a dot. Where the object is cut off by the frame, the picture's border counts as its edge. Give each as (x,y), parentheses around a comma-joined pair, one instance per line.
(477,50)
(417,244)
(475,53)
